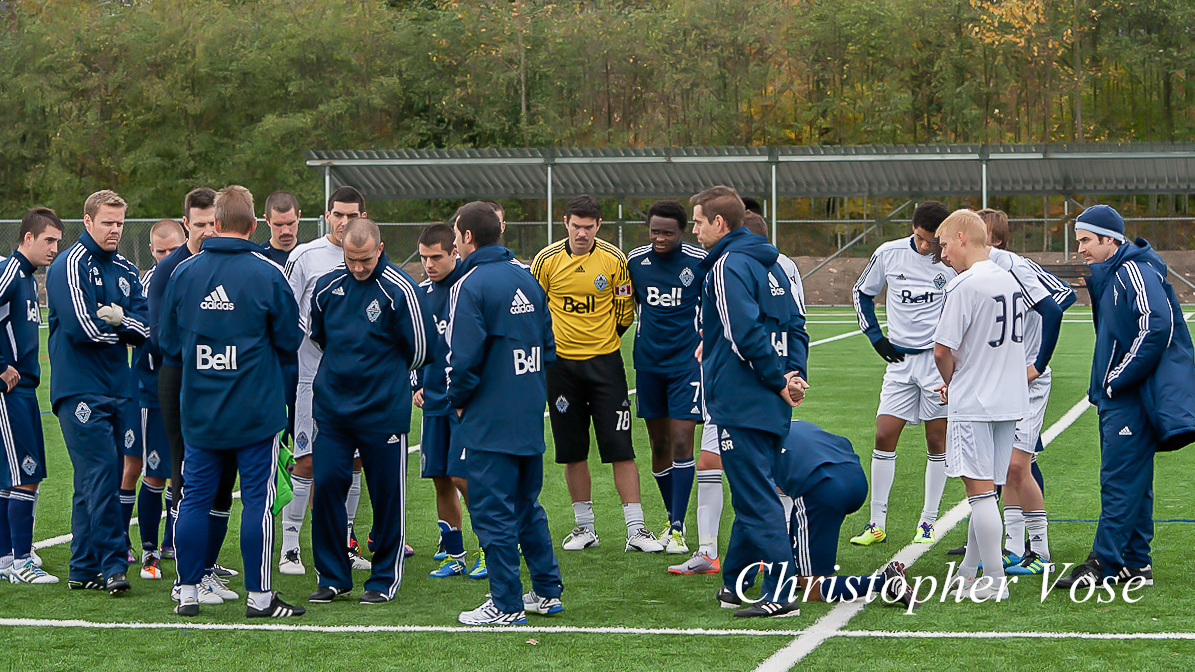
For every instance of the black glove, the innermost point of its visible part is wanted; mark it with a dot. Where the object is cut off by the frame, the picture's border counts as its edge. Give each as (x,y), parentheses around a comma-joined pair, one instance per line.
(888,351)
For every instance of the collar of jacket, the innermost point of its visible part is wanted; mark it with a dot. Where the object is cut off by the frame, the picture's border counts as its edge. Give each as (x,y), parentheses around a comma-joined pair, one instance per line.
(456,273)
(742,240)
(87,241)
(1139,250)
(490,254)
(23,262)
(221,244)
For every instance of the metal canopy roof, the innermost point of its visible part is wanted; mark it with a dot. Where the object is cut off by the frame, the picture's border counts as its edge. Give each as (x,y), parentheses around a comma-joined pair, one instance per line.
(800,171)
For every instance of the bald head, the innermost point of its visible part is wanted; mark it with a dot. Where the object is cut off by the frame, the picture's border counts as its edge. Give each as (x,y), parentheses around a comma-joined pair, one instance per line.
(362,232)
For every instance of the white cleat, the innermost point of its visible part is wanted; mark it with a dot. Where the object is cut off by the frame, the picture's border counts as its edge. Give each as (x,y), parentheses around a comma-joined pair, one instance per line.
(30,573)
(204,595)
(213,583)
(644,540)
(291,563)
(675,543)
(580,538)
(488,614)
(358,561)
(35,557)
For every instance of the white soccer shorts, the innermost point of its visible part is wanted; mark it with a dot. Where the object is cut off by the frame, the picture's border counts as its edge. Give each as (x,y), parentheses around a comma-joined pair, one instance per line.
(1029,429)
(908,390)
(979,450)
(709,439)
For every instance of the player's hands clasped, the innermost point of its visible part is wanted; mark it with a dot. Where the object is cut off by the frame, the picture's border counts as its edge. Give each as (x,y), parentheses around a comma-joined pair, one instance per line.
(111,314)
(888,351)
(794,389)
(10,377)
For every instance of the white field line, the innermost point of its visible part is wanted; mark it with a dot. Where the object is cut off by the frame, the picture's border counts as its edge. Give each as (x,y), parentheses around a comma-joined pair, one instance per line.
(832,624)
(556,629)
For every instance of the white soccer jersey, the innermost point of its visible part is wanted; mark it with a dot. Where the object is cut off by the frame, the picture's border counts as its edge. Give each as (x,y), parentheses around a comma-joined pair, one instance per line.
(306,264)
(1032,279)
(916,290)
(983,323)
(794,279)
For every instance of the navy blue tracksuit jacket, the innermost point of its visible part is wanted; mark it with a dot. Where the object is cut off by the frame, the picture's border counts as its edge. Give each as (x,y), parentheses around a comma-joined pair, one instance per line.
(372,333)
(1142,385)
(499,341)
(89,391)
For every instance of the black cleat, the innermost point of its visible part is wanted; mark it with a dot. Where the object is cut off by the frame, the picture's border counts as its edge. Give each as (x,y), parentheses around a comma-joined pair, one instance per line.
(94,583)
(1129,573)
(116,584)
(727,599)
(961,550)
(325,594)
(768,609)
(374,597)
(1087,573)
(188,608)
(277,609)
(896,586)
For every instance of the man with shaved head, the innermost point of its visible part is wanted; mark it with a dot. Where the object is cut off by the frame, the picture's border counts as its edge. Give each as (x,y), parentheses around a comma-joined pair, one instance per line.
(368,320)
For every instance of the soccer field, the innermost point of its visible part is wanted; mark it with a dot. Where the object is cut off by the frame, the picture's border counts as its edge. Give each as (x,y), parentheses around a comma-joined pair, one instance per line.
(623,611)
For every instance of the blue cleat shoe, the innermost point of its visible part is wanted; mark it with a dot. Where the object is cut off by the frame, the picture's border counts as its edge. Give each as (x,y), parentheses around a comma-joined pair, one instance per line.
(479,570)
(449,567)
(1029,565)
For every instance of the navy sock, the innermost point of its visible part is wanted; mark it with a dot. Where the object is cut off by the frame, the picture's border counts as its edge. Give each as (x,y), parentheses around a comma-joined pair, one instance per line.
(5,534)
(682,487)
(1036,471)
(664,481)
(20,522)
(128,498)
(168,535)
(839,588)
(149,508)
(217,529)
(454,542)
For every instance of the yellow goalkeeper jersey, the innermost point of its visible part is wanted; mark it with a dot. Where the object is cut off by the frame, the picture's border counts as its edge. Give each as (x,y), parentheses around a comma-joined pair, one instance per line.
(589,296)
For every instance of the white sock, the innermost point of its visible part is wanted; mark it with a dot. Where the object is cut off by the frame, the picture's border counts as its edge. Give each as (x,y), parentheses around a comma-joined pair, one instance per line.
(1014,531)
(354,498)
(583,513)
(709,510)
(632,512)
(969,567)
(261,601)
(787,503)
(294,512)
(186,592)
(883,473)
(6,562)
(1039,539)
(985,519)
(935,483)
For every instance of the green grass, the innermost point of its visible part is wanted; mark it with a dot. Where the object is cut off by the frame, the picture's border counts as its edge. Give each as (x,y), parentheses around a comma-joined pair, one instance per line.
(605,587)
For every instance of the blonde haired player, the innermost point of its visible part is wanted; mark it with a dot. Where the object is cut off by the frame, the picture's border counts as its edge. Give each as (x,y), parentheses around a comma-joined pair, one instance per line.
(979,350)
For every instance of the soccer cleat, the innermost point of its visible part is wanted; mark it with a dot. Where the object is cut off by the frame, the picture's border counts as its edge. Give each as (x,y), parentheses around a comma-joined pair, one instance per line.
(870,535)
(1029,565)
(277,609)
(151,566)
(541,605)
(291,563)
(373,597)
(357,560)
(925,534)
(896,586)
(130,557)
(167,552)
(1009,558)
(479,571)
(1088,573)
(24,571)
(223,572)
(407,551)
(35,557)
(449,567)
(204,595)
(769,609)
(643,540)
(211,582)
(958,550)
(1129,573)
(6,567)
(325,594)
(727,599)
(963,590)
(580,538)
(190,607)
(699,563)
(117,584)
(94,583)
(488,614)
(676,543)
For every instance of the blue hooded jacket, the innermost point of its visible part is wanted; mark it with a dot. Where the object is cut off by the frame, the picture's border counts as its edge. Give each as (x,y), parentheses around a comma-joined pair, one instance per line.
(372,333)
(21,321)
(88,356)
(499,341)
(1141,343)
(808,452)
(752,334)
(229,316)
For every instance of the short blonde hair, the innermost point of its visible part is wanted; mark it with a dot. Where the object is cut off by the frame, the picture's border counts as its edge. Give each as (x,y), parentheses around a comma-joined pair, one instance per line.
(103,197)
(234,209)
(967,223)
